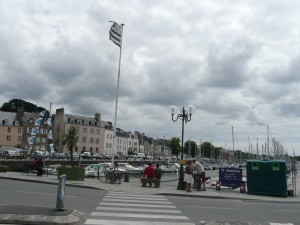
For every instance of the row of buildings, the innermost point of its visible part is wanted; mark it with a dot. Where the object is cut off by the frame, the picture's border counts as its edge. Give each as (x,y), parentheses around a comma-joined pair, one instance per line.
(95,135)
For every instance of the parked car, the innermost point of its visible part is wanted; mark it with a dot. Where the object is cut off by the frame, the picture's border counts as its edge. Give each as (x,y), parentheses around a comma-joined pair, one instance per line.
(98,156)
(86,155)
(10,154)
(58,155)
(52,169)
(76,155)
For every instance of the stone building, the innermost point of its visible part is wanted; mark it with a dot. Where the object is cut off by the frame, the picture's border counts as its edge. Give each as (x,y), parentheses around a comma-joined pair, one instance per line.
(10,131)
(91,132)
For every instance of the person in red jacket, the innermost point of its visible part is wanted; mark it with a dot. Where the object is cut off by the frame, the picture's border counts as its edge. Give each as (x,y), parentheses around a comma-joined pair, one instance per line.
(149,172)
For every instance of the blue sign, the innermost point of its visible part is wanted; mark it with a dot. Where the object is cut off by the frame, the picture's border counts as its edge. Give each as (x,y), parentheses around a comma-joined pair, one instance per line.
(230,177)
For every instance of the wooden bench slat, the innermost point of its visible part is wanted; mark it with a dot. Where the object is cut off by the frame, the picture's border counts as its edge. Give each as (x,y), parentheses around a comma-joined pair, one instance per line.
(156,182)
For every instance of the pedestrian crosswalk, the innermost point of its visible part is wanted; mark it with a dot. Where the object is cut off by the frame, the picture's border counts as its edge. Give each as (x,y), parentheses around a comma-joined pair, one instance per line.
(118,208)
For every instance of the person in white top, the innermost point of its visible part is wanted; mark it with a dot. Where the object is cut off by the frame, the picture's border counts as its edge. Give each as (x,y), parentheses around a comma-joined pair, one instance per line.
(201,171)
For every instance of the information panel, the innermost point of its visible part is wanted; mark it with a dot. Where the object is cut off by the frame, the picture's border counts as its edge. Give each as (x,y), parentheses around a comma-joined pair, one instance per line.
(230,177)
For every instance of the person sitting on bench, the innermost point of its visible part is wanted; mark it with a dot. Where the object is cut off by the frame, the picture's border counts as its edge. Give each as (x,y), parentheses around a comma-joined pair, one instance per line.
(149,172)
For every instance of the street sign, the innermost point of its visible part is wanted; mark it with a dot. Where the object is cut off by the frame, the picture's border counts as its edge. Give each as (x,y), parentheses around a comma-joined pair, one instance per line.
(230,177)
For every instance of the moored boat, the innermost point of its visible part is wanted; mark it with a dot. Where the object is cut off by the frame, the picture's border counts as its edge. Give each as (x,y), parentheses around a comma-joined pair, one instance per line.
(130,169)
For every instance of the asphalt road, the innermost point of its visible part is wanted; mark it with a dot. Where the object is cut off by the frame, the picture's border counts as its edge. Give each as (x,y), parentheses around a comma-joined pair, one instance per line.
(18,192)
(205,209)
(90,201)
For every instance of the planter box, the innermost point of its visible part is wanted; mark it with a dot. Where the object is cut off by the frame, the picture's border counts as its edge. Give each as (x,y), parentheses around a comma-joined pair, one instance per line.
(72,173)
(3,169)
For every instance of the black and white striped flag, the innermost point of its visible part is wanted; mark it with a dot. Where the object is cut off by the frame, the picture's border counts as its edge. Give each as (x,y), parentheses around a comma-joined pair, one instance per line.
(115,34)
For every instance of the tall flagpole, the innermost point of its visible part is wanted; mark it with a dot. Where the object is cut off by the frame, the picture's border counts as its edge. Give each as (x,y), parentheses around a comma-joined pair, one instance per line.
(46,148)
(117,96)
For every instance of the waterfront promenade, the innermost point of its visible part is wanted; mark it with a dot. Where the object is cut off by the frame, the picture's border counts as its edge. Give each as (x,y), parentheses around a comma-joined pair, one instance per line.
(135,187)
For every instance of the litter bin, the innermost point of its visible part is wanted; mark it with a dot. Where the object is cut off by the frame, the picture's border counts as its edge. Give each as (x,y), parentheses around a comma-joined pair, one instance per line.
(267,178)
(126,177)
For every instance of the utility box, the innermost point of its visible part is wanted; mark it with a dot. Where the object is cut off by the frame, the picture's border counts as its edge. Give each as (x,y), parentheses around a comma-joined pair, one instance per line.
(267,178)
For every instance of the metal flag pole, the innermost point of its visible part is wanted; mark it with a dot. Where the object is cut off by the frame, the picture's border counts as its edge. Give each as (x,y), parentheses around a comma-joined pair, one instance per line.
(117,96)
(47,130)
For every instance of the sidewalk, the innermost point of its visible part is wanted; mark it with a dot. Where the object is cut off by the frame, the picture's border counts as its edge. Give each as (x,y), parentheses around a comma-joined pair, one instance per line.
(25,213)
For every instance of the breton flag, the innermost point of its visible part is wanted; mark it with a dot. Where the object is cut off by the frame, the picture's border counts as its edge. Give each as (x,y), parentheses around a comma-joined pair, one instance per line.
(39,122)
(51,148)
(34,131)
(50,135)
(49,121)
(43,113)
(31,140)
(115,34)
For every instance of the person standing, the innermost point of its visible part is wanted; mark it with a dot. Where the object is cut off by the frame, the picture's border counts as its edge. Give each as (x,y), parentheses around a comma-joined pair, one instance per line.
(149,172)
(33,164)
(188,176)
(39,167)
(201,172)
(158,172)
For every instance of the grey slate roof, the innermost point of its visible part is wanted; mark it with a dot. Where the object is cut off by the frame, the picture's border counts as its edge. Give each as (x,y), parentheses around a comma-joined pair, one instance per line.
(9,116)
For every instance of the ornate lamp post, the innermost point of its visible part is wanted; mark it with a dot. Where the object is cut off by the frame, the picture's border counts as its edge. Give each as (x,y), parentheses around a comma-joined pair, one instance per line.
(185,116)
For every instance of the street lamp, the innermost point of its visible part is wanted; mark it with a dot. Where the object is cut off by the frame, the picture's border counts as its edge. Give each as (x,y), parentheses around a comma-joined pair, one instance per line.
(185,116)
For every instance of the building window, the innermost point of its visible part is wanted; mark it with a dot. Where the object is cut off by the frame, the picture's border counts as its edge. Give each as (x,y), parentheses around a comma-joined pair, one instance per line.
(110,137)
(43,140)
(19,130)
(85,130)
(91,149)
(8,129)
(8,137)
(91,140)
(19,138)
(84,139)
(107,136)
(97,140)
(97,150)
(98,131)
(92,130)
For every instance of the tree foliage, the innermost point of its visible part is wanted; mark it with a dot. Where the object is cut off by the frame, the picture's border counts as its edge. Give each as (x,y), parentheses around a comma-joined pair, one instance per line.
(70,140)
(190,148)
(175,146)
(206,149)
(15,104)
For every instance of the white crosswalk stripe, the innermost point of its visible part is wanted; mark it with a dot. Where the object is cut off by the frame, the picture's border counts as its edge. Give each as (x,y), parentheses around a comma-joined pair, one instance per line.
(123,209)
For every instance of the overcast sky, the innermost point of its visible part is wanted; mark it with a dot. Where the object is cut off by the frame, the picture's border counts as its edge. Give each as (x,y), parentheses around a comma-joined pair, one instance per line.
(237,62)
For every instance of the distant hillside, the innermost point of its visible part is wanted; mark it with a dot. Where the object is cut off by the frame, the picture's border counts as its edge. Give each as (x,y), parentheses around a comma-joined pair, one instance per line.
(15,104)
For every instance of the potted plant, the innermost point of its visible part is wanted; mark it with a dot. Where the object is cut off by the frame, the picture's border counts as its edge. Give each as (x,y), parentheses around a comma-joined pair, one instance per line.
(73,172)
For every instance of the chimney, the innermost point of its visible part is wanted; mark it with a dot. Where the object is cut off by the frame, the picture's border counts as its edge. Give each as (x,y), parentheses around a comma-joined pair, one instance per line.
(98,117)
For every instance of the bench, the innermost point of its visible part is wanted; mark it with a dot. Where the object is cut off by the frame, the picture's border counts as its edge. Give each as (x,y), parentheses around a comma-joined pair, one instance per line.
(156,182)
(27,169)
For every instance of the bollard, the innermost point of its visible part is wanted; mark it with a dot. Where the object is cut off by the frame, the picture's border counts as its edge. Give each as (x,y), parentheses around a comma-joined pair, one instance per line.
(61,187)
(126,177)
(243,187)
(218,185)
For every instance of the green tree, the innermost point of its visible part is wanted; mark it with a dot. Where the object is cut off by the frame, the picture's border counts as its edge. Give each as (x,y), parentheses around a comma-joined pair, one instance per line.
(206,149)
(190,147)
(15,104)
(70,140)
(175,146)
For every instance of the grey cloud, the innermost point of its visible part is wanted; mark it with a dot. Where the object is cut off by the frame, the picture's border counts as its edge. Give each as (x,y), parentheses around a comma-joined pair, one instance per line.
(227,67)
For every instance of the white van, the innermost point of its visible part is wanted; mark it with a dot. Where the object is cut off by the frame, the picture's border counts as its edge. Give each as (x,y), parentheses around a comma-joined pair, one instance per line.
(11,154)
